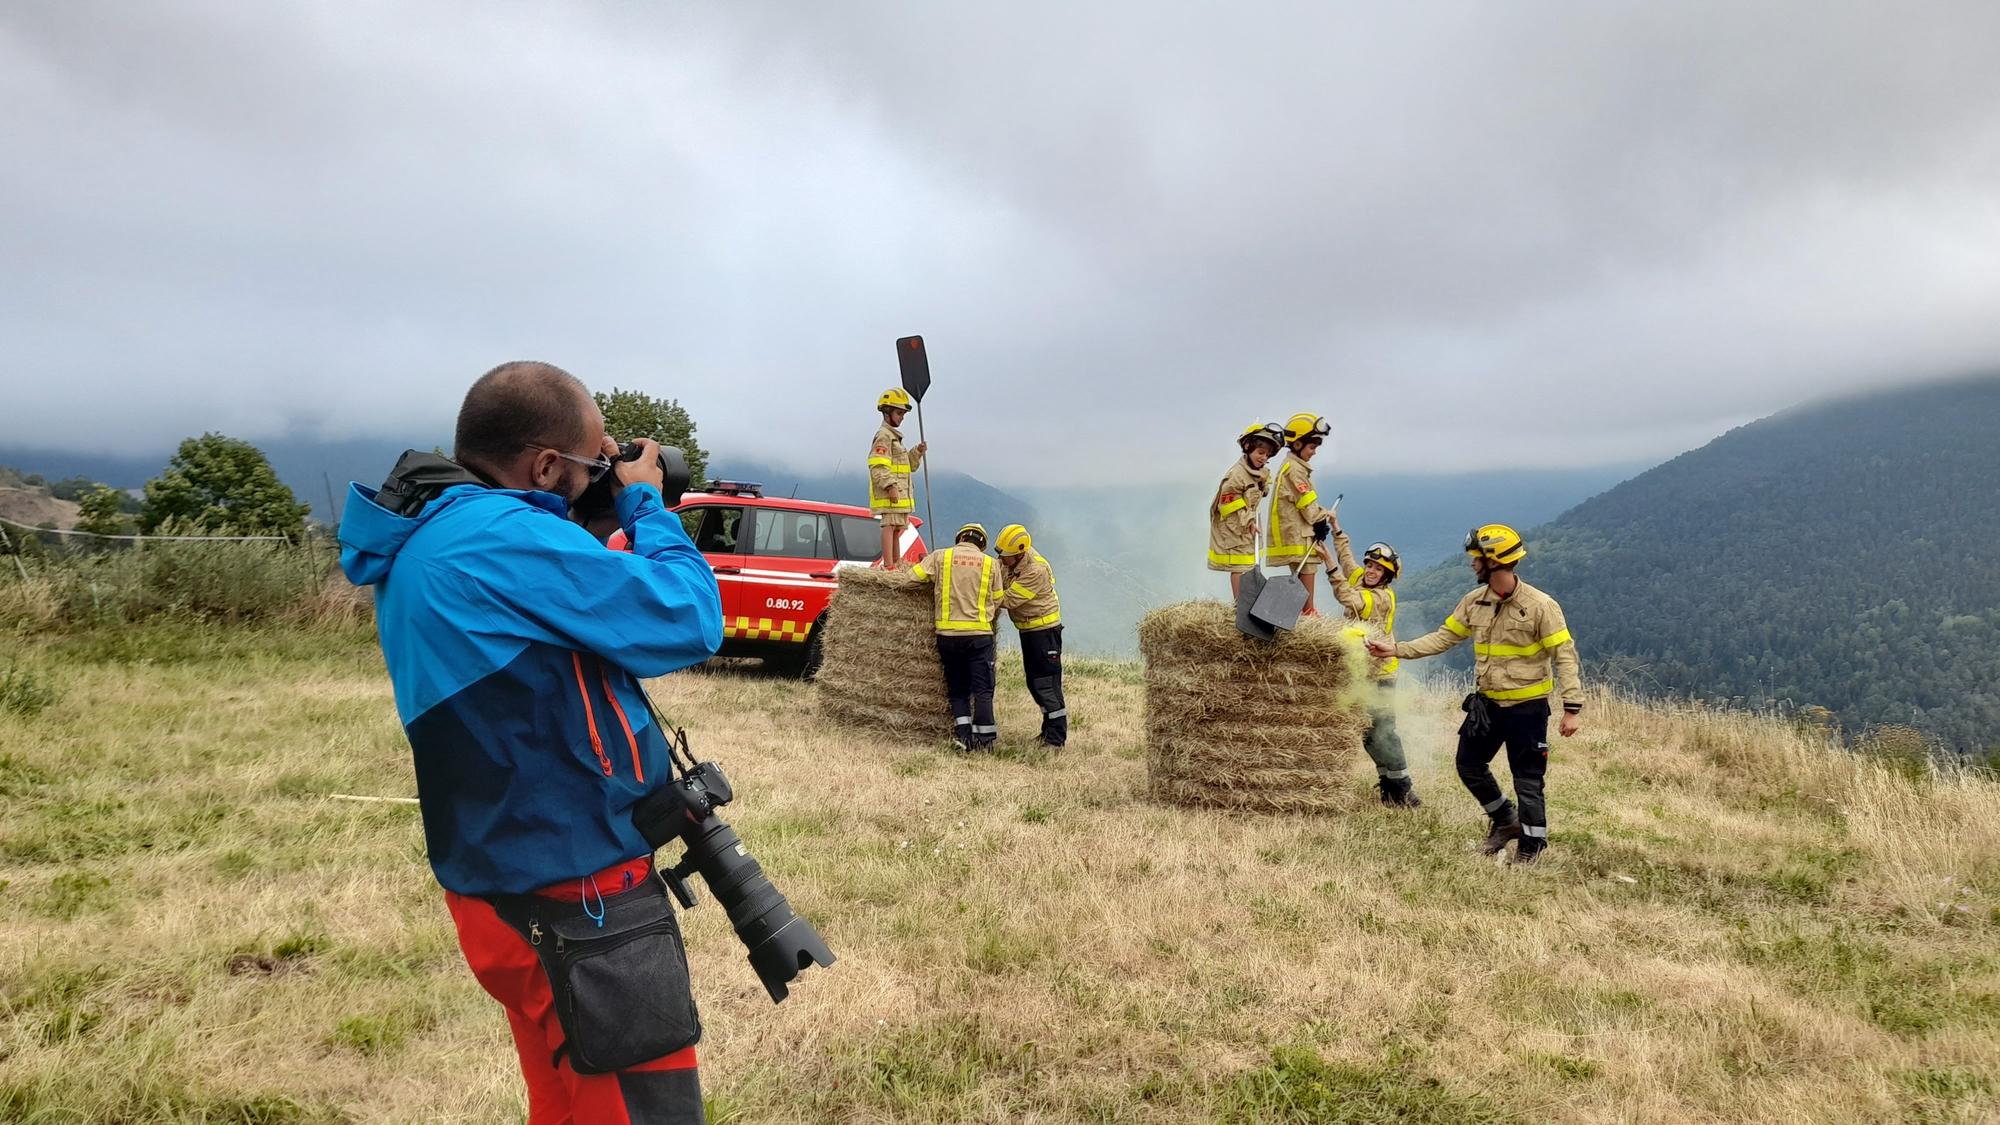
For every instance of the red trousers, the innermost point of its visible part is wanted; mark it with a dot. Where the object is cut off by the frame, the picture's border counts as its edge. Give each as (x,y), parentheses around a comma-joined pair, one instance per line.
(666,1091)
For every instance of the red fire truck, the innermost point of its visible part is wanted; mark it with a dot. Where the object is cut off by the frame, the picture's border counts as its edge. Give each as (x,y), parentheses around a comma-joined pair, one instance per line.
(777,561)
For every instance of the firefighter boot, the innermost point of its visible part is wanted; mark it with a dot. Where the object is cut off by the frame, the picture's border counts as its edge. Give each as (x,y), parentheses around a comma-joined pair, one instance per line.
(1506,829)
(1399,793)
(1529,849)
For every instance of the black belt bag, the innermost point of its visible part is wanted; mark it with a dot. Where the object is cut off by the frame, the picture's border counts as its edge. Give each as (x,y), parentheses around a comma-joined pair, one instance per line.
(618,971)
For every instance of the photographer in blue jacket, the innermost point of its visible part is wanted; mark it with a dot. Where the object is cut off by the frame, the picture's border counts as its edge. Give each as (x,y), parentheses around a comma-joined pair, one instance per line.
(516,644)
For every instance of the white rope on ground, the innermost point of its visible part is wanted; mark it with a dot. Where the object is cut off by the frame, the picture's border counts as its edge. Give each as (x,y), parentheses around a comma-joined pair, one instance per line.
(152,538)
(375,800)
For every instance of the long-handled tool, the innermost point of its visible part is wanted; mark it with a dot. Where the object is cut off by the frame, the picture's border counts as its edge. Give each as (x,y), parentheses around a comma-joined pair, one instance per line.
(915,364)
(1249,590)
(1281,600)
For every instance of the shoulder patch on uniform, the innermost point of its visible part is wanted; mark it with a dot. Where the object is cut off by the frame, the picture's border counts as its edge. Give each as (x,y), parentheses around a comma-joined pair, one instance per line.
(1300,484)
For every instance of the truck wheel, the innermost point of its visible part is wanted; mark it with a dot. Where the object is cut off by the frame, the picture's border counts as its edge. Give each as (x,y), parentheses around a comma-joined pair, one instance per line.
(815,653)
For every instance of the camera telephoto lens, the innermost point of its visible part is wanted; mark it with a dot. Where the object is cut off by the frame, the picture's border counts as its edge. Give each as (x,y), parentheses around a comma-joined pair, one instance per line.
(782,945)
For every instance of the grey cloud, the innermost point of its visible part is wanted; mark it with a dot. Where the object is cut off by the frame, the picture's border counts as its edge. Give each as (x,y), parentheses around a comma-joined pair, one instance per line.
(1125,228)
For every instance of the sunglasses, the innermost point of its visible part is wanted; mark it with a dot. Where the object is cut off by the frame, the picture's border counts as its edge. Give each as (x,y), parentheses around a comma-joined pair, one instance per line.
(597,466)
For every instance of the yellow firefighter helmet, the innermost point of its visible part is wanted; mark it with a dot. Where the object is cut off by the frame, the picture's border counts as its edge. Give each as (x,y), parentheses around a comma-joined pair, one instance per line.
(1306,427)
(1496,543)
(1387,556)
(971,532)
(895,398)
(1262,431)
(1014,540)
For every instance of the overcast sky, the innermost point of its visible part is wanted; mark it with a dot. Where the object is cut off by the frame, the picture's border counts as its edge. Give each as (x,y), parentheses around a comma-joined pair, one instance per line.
(1475,232)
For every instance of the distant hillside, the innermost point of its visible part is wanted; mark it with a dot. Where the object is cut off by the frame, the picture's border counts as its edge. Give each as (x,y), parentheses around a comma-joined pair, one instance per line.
(1119,550)
(1123,550)
(308,467)
(36,508)
(1840,555)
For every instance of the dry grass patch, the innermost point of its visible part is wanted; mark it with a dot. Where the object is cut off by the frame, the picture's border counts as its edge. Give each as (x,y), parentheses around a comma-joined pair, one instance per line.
(1733,924)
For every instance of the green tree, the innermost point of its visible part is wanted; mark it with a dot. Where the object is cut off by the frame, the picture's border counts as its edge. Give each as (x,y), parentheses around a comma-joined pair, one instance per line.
(630,415)
(100,511)
(72,488)
(218,483)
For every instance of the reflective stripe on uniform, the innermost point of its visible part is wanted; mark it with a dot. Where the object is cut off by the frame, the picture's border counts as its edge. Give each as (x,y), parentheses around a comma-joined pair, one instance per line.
(1041,622)
(1232,507)
(1532,691)
(1275,546)
(1232,560)
(1302,501)
(1508,650)
(1457,626)
(1020,591)
(945,621)
(880,463)
(1058,713)
(1553,640)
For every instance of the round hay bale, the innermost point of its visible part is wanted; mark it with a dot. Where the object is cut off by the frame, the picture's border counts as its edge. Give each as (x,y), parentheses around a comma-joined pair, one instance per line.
(1234,722)
(880,669)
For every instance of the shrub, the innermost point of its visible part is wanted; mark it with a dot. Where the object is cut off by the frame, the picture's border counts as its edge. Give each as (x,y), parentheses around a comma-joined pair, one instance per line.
(26,693)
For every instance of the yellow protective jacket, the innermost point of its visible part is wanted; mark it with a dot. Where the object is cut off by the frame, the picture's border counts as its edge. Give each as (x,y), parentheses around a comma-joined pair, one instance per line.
(1030,598)
(967,581)
(1295,508)
(1232,517)
(891,464)
(1370,613)
(1521,646)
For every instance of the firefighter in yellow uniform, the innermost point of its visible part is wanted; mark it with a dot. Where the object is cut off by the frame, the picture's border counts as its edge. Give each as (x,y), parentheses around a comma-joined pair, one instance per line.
(1030,599)
(1523,656)
(1363,590)
(1232,514)
(890,467)
(1297,525)
(968,598)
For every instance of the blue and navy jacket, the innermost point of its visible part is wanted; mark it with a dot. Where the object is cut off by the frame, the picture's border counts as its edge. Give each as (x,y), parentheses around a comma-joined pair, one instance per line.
(516,643)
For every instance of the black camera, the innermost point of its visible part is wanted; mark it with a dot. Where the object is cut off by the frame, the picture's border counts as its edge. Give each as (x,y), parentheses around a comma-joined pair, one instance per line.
(782,945)
(597,499)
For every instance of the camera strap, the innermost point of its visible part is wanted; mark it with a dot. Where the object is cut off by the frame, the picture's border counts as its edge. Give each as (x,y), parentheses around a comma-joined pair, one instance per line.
(678,754)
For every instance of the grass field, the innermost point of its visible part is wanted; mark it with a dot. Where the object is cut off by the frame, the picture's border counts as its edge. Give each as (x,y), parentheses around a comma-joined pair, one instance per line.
(1734,924)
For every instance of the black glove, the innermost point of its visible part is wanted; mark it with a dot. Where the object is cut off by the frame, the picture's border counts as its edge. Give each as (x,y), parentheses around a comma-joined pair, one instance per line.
(1321,530)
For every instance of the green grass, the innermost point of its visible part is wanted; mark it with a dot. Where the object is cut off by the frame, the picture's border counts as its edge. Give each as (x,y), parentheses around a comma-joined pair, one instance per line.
(1299,1087)
(26,692)
(192,930)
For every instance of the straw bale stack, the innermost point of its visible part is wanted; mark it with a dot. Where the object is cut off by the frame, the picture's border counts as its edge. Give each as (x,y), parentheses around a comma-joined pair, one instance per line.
(880,670)
(1234,722)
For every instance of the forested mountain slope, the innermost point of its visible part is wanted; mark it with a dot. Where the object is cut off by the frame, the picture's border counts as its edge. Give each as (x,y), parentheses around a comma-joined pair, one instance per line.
(1845,555)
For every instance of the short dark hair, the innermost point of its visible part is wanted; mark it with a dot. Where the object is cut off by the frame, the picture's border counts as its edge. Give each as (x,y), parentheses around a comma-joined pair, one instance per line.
(517,405)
